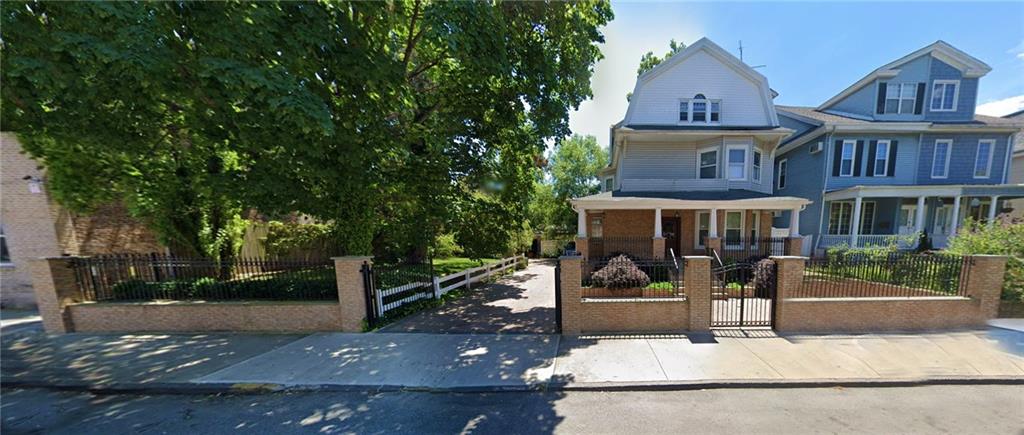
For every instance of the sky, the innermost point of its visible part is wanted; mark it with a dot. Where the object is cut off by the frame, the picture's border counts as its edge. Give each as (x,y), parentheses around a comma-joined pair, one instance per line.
(810,51)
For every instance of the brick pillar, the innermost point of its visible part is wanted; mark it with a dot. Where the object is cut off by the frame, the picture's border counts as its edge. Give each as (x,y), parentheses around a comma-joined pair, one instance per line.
(54,283)
(570,286)
(714,243)
(794,246)
(789,277)
(697,284)
(659,248)
(351,291)
(581,247)
(985,282)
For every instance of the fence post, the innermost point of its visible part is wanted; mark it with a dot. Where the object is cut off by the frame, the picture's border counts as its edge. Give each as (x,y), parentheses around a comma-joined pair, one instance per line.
(789,276)
(794,246)
(53,280)
(351,291)
(570,289)
(437,286)
(582,247)
(697,285)
(985,282)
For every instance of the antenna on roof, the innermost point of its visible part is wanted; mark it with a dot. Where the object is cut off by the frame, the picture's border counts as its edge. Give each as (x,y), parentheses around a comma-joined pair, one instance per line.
(741,56)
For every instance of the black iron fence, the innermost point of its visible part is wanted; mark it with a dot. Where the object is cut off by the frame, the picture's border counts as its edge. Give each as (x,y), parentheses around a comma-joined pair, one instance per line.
(634,247)
(142,277)
(394,285)
(884,275)
(621,277)
(750,249)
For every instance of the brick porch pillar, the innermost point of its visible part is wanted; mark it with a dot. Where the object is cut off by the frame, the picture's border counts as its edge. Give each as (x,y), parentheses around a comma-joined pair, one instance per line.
(794,246)
(714,243)
(658,246)
(581,247)
(54,283)
(697,284)
(570,286)
(985,283)
(348,272)
(789,276)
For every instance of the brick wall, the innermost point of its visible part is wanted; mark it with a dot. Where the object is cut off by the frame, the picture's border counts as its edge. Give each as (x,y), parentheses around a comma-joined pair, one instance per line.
(107,230)
(628,223)
(208,316)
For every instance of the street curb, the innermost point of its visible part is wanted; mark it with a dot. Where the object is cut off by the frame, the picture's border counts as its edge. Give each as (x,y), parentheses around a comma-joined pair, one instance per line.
(191,388)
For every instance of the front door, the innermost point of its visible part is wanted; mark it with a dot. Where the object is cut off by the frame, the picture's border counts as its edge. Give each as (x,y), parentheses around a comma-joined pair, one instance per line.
(908,219)
(670,231)
(940,228)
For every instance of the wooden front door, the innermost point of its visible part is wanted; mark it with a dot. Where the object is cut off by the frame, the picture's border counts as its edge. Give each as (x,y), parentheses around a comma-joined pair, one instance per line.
(670,231)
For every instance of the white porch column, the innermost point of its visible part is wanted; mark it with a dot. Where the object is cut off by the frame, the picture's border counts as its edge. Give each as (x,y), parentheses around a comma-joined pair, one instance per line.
(855,222)
(919,215)
(992,210)
(713,224)
(794,223)
(581,222)
(956,216)
(657,222)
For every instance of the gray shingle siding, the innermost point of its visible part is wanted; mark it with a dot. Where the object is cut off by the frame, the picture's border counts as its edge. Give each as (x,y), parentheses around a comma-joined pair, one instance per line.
(961,161)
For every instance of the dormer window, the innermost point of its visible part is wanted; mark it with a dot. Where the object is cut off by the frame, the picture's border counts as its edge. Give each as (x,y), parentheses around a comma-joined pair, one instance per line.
(944,95)
(700,110)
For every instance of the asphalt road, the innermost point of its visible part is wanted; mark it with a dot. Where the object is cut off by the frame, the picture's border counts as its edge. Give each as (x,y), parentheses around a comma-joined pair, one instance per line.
(933,409)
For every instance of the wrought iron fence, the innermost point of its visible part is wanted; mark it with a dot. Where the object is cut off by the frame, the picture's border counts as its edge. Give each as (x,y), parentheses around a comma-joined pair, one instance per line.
(140,277)
(634,247)
(751,249)
(620,277)
(863,275)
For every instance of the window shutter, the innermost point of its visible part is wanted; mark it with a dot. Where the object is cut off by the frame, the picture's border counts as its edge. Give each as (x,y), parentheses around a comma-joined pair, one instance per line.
(837,158)
(919,104)
(858,156)
(892,158)
(880,104)
(872,148)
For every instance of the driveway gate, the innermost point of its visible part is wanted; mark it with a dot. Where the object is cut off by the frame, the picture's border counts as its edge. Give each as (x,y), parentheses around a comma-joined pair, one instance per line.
(742,298)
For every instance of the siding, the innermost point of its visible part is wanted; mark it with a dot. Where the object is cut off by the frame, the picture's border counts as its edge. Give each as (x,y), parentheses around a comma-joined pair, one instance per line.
(803,180)
(906,159)
(968,94)
(657,100)
(961,162)
(861,102)
(798,127)
(914,72)
(672,166)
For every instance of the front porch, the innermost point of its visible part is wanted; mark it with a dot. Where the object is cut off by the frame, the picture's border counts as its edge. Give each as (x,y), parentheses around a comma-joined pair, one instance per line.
(867,216)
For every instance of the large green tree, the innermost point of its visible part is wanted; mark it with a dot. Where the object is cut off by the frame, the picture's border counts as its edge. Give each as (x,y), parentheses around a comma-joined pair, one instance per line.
(650,60)
(393,120)
(571,173)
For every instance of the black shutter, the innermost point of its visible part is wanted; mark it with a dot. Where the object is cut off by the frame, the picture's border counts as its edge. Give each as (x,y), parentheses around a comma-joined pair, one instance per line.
(872,149)
(858,156)
(837,158)
(892,159)
(880,108)
(919,104)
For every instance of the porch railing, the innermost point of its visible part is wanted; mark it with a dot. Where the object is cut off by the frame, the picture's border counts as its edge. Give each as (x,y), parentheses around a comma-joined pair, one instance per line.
(900,241)
(751,249)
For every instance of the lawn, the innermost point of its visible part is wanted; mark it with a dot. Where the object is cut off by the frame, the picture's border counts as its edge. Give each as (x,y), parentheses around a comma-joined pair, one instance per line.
(447,266)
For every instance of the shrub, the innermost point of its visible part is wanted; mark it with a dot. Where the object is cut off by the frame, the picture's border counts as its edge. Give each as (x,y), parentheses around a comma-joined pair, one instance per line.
(620,272)
(1005,237)
(293,240)
(445,247)
(764,278)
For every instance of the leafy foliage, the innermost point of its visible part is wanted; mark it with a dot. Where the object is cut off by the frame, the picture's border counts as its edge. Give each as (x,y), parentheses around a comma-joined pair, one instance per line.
(572,171)
(292,240)
(1005,237)
(620,272)
(649,60)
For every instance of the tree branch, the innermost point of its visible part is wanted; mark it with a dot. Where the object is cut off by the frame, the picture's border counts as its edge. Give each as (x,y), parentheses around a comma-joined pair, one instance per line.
(413,35)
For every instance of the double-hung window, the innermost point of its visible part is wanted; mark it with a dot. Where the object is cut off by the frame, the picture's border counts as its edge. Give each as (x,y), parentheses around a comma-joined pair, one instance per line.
(700,109)
(609,183)
(900,97)
(782,173)
(840,217)
(684,110)
(708,164)
(849,154)
(983,159)
(881,158)
(755,172)
(596,227)
(703,228)
(734,229)
(944,95)
(940,158)
(737,162)
(755,227)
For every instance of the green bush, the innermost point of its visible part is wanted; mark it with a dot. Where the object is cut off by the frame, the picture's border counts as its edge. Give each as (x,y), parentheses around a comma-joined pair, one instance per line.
(445,246)
(1005,237)
(292,240)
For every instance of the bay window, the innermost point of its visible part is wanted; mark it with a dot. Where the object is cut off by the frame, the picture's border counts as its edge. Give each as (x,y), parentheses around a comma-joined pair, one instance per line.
(737,162)
(708,164)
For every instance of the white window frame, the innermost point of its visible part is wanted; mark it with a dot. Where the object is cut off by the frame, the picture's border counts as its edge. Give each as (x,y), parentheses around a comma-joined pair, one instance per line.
(942,100)
(707,111)
(863,213)
(697,242)
(596,227)
(899,98)
(853,159)
(988,164)
(755,228)
(728,163)
(849,223)
(935,155)
(700,164)
(725,229)
(783,165)
(755,168)
(885,167)
(607,181)
(689,116)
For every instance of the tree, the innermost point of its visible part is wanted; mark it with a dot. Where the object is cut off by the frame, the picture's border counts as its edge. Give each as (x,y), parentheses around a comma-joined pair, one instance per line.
(649,60)
(389,119)
(573,170)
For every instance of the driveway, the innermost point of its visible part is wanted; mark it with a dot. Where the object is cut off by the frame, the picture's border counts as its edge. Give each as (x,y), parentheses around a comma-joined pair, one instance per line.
(522,303)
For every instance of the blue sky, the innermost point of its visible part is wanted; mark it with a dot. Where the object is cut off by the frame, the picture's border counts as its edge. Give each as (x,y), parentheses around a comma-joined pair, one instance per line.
(812,51)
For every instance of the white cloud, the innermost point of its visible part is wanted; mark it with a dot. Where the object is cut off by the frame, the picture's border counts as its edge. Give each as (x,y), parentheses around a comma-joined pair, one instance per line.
(1002,107)
(1017,51)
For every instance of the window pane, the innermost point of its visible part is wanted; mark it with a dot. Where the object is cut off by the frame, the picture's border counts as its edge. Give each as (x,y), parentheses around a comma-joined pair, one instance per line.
(757,158)
(596,227)
(981,161)
(715,110)
(708,158)
(848,151)
(737,156)
(947,99)
(733,220)
(939,167)
(892,91)
(699,116)
(756,173)
(708,172)
(684,111)
(892,106)
(882,150)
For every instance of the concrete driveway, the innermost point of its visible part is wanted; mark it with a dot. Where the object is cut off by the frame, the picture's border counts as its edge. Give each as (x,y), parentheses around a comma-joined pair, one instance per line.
(522,303)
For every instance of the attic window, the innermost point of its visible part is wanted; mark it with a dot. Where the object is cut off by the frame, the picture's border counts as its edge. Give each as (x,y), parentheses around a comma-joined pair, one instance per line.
(699,110)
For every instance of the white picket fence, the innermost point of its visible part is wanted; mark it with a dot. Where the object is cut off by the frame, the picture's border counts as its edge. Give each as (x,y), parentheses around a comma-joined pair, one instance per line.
(444,284)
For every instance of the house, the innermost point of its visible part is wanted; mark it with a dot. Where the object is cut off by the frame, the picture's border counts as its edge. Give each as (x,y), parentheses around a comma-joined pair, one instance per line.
(1016,206)
(898,153)
(690,163)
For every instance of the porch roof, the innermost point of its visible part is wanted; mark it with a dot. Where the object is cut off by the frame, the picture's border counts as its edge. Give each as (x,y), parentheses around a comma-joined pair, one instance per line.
(695,200)
(1003,190)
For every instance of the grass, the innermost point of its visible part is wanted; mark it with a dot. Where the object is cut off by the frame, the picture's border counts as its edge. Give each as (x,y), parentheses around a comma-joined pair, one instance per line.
(448,266)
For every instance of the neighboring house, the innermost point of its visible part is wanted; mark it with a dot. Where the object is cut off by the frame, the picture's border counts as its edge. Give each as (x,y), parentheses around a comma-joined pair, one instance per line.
(899,152)
(690,162)
(1016,206)
(32,226)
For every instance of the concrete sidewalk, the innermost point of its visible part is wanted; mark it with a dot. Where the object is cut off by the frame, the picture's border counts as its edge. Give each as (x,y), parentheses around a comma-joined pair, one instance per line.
(484,362)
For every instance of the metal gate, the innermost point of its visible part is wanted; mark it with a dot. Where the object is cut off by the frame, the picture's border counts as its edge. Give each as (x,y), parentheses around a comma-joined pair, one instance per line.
(558,297)
(743,295)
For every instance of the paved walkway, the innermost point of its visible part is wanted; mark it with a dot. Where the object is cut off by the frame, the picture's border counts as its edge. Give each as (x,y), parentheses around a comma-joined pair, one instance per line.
(521,303)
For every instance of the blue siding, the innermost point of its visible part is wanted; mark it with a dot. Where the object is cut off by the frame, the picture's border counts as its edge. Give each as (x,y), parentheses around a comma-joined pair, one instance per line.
(913,72)
(968,94)
(803,180)
(799,127)
(961,162)
(861,102)
(906,159)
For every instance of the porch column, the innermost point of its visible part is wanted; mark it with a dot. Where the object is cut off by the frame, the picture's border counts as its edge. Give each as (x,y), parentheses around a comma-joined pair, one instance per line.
(794,223)
(855,222)
(992,210)
(956,216)
(581,223)
(657,222)
(713,224)
(919,217)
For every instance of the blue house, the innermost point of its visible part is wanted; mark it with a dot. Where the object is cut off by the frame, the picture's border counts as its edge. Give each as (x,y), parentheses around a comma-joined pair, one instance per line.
(898,153)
